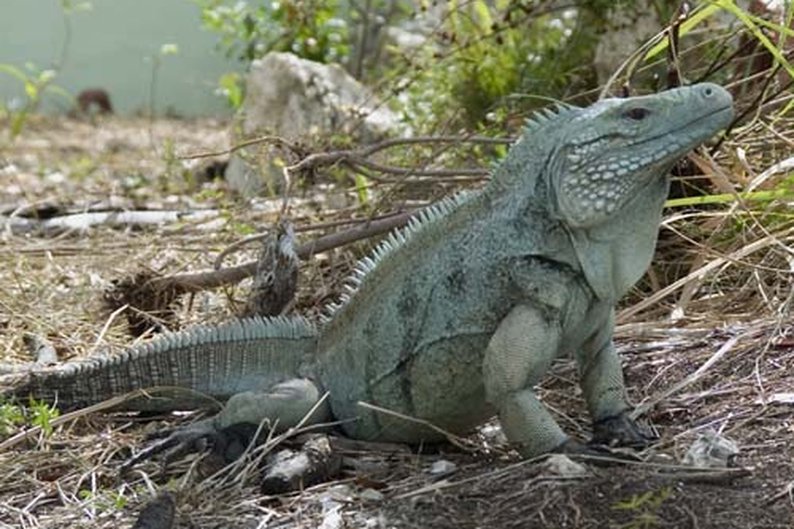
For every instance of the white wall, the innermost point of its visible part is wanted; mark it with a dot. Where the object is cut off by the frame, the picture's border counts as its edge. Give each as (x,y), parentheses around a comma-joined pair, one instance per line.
(110,46)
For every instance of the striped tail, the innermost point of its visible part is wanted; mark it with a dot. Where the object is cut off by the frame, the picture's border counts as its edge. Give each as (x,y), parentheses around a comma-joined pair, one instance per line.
(194,368)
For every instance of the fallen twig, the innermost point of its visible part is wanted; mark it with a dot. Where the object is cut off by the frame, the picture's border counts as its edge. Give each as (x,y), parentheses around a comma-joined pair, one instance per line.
(722,351)
(232,248)
(198,281)
(456,440)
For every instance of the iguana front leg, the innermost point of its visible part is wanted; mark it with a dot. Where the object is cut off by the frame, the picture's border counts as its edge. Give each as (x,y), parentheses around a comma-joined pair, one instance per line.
(518,355)
(601,378)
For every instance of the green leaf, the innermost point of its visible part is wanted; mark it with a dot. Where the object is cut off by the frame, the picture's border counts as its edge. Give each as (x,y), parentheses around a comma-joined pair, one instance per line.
(31,90)
(43,415)
(13,71)
(483,16)
(362,188)
(699,15)
(752,23)
(232,88)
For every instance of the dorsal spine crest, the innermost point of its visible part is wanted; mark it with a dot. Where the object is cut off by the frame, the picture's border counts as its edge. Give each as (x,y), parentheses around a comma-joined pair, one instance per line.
(245,329)
(387,246)
(560,112)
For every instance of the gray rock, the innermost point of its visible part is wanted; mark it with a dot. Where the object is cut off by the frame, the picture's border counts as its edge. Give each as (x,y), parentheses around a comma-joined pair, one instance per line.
(712,450)
(442,467)
(631,27)
(371,495)
(563,466)
(297,99)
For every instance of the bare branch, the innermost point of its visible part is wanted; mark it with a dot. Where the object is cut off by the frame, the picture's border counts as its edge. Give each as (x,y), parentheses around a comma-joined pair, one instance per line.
(275,140)
(197,281)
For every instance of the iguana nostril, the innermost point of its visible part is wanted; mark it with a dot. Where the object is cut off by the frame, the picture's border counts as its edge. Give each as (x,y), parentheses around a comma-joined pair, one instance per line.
(708,91)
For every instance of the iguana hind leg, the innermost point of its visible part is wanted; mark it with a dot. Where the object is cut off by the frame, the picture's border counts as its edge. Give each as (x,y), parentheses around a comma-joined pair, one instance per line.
(282,406)
(518,355)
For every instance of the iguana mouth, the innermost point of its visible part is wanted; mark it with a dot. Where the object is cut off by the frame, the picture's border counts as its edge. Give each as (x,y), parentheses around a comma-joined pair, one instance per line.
(720,110)
(687,125)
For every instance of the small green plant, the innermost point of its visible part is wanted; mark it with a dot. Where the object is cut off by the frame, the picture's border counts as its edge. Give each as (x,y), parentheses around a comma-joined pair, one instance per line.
(167,180)
(36,83)
(11,417)
(230,86)
(119,500)
(157,62)
(37,413)
(644,507)
(42,415)
(104,500)
(85,494)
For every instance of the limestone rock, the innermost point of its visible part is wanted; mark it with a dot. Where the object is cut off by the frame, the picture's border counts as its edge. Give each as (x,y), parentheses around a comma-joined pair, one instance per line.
(563,466)
(630,27)
(711,450)
(297,99)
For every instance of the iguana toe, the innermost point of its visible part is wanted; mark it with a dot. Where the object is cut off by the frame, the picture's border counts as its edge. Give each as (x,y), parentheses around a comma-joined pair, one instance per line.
(176,442)
(620,430)
(595,454)
(573,447)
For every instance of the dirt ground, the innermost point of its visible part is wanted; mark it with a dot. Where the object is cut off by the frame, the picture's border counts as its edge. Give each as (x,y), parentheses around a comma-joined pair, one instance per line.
(730,373)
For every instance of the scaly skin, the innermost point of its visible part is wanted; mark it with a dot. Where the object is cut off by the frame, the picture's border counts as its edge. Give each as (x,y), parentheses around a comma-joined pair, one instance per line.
(460,315)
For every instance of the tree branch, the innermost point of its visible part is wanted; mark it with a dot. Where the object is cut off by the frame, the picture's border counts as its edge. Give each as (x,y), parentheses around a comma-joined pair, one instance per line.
(198,281)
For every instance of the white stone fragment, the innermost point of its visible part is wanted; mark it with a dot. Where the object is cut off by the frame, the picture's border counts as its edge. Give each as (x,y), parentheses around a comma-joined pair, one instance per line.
(442,467)
(332,519)
(371,495)
(563,466)
(711,450)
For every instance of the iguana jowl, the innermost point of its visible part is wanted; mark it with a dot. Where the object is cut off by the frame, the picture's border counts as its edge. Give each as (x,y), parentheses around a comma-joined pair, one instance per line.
(459,315)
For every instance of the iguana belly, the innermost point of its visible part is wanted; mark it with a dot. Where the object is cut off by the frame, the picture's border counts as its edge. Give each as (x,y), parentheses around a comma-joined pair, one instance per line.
(439,385)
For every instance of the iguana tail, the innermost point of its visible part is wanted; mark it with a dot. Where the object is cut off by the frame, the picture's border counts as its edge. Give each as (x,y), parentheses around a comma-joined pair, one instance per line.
(194,368)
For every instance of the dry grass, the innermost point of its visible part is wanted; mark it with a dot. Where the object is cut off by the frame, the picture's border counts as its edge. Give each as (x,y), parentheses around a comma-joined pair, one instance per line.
(730,314)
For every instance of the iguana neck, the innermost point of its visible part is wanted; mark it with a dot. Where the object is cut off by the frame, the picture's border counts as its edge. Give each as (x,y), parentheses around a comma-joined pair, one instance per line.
(522,180)
(611,256)
(614,255)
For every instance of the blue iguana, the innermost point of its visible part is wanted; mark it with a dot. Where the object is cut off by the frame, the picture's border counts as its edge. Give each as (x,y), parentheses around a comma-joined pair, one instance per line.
(459,315)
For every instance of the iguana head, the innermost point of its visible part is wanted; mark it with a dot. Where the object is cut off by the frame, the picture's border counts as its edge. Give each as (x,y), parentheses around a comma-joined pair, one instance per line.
(611,150)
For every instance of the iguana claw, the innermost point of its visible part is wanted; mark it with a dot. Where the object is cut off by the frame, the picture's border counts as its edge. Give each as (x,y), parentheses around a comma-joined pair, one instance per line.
(175,442)
(602,455)
(620,430)
(228,443)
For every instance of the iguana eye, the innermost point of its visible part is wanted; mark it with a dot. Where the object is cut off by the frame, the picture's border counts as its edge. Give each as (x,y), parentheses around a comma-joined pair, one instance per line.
(637,113)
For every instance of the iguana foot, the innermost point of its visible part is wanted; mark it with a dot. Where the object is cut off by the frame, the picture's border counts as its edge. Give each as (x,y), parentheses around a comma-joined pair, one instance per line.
(620,430)
(227,444)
